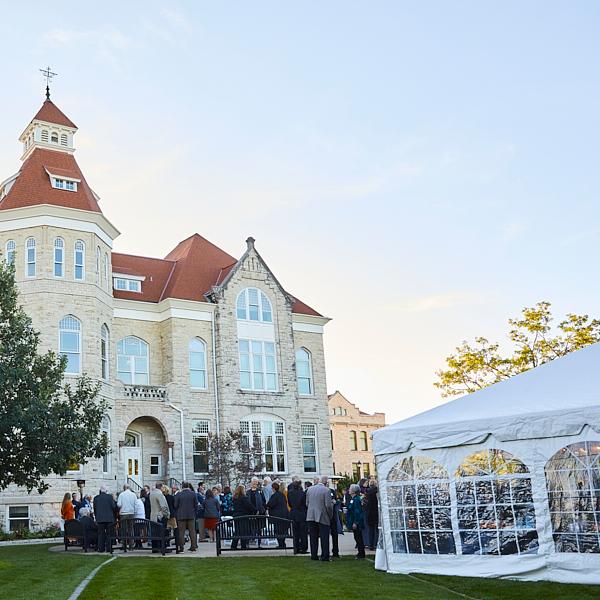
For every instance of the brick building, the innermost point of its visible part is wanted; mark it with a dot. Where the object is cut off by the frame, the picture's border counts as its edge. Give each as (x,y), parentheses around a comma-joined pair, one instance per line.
(195,342)
(351,442)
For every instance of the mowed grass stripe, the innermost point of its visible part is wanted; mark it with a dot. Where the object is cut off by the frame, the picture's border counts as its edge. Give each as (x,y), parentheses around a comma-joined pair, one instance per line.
(28,572)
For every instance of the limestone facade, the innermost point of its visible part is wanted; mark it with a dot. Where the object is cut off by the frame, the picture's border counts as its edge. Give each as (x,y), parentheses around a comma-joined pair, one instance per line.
(157,429)
(352,437)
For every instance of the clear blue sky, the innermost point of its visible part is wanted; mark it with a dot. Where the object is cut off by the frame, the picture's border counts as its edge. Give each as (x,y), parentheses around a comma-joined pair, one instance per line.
(419,171)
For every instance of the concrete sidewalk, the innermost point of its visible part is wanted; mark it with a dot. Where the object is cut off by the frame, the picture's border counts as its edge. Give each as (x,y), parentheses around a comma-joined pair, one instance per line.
(208,549)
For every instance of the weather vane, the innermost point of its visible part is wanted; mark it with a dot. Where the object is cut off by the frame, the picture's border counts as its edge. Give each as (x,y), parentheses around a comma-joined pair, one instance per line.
(48,74)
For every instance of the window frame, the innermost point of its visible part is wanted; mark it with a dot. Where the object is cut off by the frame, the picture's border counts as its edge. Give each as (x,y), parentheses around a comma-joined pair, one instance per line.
(59,245)
(308,378)
(128,284)
(10,520)
(10,250)
(79,352)
(353,441)
(30,246)
(158,465)
(252,372)
(105,428)
(314,436)
(132,363)
(263,306)
(364,441)
(204,370)
(200,430)
(250,431)
(79,248)
(104,352)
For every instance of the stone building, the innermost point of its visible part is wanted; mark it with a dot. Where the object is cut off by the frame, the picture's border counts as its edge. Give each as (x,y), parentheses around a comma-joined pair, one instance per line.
(195,342)
(351,437)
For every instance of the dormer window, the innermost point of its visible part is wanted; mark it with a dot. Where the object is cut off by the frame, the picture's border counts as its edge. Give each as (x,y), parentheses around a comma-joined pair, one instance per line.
(64,184)
(128,285)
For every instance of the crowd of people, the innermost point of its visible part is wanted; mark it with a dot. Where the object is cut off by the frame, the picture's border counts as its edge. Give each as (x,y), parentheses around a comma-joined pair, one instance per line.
(319,512)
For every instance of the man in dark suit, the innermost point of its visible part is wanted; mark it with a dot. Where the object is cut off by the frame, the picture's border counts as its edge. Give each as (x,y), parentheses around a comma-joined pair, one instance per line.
(186,504)
(297,502)
(318,516)
(76,504)
(105,509)
(89,527)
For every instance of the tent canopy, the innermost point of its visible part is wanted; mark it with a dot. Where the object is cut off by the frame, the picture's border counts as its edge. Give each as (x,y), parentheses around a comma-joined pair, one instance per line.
(555,399)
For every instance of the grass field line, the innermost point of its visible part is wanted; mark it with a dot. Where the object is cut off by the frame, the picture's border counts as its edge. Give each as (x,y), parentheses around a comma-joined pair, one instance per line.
(437,585)
(77,592)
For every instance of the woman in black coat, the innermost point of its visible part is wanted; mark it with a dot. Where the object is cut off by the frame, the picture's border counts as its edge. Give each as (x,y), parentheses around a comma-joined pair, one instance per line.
(242,507)
(277,506)
(372,514)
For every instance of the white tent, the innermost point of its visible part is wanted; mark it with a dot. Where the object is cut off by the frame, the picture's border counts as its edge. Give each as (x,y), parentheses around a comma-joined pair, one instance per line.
(503,482)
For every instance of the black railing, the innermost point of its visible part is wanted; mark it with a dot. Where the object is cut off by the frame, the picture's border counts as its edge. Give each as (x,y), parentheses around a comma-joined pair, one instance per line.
(173,481)
(132,533)
(134,485)
(244,531)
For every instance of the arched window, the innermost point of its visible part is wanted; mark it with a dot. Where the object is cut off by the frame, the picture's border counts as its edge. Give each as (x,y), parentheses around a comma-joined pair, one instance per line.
(70,343)
(106,431)
(253,305)
(495,505)
(418,491)
(197,364)
(44,135)
(79,260)
(10,252)
(63,139)
(105,269)
(104,351)
(59,257)
(30,267)
(573,482)
(132,361)
(54,137)
(264,443)
(98,265)
(304,372)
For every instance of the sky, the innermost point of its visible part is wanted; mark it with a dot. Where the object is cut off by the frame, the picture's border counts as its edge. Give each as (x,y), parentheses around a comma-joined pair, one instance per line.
(417,171)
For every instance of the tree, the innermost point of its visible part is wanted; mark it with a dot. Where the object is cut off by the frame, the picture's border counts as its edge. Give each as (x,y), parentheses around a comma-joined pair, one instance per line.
(533,343)
(44,427)
(231,459)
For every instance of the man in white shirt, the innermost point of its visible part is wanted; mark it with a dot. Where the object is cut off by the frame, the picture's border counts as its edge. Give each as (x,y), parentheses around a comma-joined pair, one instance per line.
(126,505)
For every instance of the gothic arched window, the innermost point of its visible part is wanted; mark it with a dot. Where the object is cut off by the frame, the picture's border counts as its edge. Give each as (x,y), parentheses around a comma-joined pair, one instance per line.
(495,505)
(418,491)
(573,482)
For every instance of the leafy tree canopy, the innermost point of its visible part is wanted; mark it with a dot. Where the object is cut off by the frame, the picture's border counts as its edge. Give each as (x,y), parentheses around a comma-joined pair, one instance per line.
(534,342)
(44,427)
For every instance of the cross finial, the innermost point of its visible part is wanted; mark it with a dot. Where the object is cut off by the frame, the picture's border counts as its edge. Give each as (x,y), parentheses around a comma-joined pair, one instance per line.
(48,74)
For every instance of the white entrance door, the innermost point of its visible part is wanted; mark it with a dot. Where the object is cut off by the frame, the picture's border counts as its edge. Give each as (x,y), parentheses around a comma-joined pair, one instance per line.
(132,457)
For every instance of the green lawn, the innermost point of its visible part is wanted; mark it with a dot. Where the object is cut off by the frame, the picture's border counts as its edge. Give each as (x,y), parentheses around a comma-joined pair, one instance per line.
(33,572)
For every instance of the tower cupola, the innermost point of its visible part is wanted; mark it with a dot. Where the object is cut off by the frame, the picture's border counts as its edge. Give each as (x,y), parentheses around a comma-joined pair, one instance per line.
(50,129)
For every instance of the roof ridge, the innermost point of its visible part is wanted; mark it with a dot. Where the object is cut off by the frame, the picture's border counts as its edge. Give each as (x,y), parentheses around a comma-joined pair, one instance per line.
(146,257)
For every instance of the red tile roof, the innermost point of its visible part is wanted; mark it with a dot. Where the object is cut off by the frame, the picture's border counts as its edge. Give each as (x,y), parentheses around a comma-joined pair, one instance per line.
(33,185)
(52,114)
(190,270)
